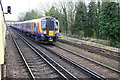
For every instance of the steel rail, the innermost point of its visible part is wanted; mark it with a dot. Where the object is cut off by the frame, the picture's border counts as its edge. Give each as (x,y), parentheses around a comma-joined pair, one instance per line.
(63,76)
(114,55)
(115,70)
(19,50)
(88,71)
(62,71)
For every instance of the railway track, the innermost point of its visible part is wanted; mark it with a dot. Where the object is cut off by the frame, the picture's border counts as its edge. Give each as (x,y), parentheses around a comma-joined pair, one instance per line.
(78,70)
(93,49)
(15,67)
(87,62)
(38,66)
(106,69)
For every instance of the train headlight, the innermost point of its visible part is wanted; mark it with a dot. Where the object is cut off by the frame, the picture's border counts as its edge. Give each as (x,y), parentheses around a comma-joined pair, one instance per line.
(57,34)
(42,35)
(44,32)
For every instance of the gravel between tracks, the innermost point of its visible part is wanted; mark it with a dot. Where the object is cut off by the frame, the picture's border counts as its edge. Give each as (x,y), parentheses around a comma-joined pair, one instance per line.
(99,58)
(75,40)
(39,67)
(14,68)
(70,68)
(64,64)
(91,66)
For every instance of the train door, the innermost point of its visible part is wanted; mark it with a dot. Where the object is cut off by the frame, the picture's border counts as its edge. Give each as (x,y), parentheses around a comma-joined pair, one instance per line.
(32,28)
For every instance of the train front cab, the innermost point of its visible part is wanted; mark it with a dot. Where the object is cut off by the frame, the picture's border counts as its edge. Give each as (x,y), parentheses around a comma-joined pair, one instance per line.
(49,29)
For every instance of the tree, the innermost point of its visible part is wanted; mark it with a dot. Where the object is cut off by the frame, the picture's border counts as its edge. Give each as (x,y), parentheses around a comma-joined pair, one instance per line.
(109,22)
(92,20)
(64,18)
(97,20)
(53,12)
(71,15)
(66,14)
(32,14)
(80,24)
(21,17)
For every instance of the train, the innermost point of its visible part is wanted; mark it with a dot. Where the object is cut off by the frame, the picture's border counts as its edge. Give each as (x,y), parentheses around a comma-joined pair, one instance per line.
(2,41)
(43,30)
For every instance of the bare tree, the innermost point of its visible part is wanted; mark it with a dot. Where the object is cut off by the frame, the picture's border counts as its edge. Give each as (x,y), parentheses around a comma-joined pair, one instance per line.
(21,16)
(71,14)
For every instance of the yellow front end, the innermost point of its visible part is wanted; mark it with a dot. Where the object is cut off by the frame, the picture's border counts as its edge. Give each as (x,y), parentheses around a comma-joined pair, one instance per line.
(49,30)
(51,33)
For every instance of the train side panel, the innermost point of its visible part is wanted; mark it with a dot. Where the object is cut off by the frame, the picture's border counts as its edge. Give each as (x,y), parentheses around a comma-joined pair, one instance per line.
(36,29)
(32,28)
(43,30)
(28,24)
(24,27)
(2,41)
(2,35)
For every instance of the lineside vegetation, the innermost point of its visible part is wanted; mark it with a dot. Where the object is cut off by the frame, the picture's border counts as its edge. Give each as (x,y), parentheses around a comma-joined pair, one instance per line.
(98,20)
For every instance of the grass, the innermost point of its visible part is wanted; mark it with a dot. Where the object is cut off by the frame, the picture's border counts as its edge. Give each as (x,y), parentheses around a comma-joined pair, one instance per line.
(99,41)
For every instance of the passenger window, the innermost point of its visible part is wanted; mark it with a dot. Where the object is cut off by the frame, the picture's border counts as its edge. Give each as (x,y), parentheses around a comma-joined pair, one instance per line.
(35,25)
(43,25)
(56,25)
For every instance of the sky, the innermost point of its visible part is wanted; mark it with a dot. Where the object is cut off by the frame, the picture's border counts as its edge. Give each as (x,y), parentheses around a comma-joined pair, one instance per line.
(18,6)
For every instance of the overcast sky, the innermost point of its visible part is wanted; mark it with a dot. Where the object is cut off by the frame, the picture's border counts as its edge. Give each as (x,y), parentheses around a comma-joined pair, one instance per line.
(18,6)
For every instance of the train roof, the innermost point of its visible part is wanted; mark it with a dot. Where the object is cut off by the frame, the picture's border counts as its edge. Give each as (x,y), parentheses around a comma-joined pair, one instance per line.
(36,20)
(40,19)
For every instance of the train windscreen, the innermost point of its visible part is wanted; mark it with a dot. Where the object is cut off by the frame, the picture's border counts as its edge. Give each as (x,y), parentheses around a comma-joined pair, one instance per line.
(49,24)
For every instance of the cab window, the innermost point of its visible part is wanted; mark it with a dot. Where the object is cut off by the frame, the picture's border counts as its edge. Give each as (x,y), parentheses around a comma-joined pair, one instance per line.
(56,25)
(43,25)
